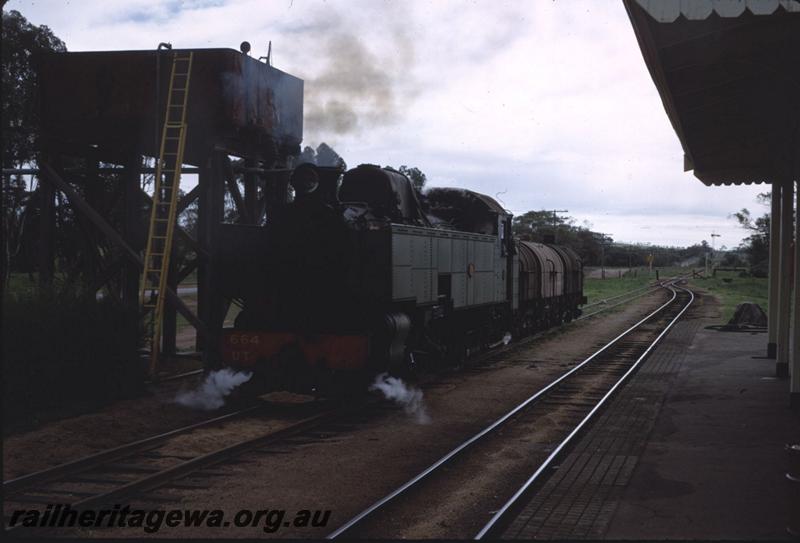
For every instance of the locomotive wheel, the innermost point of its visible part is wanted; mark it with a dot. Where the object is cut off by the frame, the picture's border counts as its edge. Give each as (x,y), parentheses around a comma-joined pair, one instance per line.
(248,392)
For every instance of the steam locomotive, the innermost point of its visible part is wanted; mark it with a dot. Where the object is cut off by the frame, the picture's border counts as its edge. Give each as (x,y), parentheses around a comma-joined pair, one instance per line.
(360,274)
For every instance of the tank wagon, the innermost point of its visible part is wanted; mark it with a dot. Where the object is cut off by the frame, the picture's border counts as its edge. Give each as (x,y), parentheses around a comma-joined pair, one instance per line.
(342,284)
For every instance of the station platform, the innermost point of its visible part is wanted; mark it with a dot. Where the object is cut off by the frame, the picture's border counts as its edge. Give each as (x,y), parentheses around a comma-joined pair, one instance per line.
(691,448)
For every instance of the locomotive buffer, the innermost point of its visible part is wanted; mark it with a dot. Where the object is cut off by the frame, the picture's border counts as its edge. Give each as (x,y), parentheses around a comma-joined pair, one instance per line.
(165,197)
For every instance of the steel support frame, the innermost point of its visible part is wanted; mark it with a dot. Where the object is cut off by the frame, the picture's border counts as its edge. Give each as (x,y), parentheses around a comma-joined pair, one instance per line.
(774,270)
(211,306)
(131,179)
(169,322)
(47,226)
(213,178)
(251,191)
(794,368)
(131,235)
(785,283)
(51,177)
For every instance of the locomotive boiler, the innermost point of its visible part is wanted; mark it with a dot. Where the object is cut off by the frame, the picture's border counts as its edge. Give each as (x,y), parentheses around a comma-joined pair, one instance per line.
(360,274)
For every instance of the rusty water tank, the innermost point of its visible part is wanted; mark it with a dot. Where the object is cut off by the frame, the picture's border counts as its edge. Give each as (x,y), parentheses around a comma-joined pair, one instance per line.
(108,99)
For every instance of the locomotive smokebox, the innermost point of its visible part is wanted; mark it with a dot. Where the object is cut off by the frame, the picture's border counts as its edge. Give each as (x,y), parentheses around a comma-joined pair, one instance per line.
(117,100)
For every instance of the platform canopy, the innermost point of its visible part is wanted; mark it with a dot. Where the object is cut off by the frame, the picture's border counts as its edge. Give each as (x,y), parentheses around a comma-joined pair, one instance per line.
(728,72)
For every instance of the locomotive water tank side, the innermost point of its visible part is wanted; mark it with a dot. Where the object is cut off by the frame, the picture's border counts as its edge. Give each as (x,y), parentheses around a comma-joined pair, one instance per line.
(466,268)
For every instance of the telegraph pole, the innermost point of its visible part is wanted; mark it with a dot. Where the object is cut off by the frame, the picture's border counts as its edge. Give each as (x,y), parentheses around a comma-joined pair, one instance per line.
(555,231)
(629,260)
(713,243)
(603,257)
(602,254)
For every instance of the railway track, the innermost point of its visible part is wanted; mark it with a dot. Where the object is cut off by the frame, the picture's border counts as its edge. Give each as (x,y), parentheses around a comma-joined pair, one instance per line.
(621,295)
(480,464)
(499,348)
(620,299)
(625,297)
(142,466)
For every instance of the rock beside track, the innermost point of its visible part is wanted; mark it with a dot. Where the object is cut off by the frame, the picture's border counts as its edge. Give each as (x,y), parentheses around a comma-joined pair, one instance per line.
(748,314)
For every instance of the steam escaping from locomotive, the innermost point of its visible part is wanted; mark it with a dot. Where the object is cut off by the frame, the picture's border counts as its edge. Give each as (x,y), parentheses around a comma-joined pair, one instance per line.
(212,392)
(411,398)
(359,88)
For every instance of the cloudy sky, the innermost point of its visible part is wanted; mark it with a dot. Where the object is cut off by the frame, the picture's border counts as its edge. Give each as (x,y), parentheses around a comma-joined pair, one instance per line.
(543,104)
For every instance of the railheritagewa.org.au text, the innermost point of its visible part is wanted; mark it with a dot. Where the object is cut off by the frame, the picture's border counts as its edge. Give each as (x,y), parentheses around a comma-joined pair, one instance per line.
(153,520)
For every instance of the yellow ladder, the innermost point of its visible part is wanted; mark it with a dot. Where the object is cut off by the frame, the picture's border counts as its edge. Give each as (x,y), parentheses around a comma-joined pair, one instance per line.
(165,197)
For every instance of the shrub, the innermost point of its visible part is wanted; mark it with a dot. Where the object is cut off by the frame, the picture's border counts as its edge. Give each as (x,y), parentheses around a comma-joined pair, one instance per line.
(64,350)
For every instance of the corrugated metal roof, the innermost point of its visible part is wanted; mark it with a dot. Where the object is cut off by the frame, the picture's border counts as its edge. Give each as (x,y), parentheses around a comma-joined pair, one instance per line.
(728,84)
(666,11)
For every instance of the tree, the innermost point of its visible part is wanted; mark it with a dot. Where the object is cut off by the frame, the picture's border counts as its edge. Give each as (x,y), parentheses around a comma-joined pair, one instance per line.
(23,46)
(323,155)
(326,156)
(416,176)
(537,225)
(308,155)
(756,245)
(595,247)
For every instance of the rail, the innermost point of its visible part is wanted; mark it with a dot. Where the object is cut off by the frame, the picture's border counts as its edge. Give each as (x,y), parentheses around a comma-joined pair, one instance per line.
(351,525)
(121,458)
(131,458)
(488,528)
(626,293)
(650,290)
(87,462)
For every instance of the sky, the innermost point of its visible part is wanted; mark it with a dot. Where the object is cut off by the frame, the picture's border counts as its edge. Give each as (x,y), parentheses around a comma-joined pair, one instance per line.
(541,104)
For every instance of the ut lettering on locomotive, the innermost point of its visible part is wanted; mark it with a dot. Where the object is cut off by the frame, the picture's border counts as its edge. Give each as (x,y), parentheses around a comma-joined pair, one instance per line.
(360,274)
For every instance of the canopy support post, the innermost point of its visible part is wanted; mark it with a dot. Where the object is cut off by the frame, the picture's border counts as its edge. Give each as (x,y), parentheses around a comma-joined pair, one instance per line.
(794,370)
(785,287)
(774,269)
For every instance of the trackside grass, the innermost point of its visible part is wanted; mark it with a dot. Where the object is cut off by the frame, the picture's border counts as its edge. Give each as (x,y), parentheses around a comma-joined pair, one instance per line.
(596,290)
(731,289)
(728,287)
